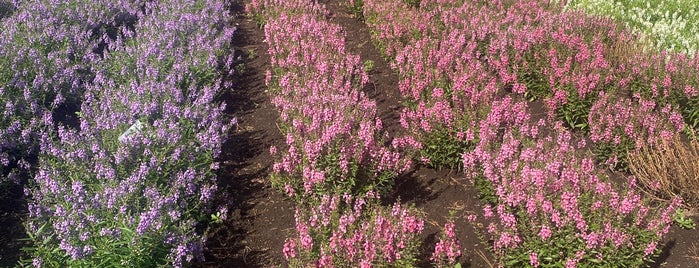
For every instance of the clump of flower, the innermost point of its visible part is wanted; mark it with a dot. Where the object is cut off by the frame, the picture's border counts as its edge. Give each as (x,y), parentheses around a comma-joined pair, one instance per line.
(130,181)
(448,248)
(621,126)
(346,231)
(334,138)
(555,207)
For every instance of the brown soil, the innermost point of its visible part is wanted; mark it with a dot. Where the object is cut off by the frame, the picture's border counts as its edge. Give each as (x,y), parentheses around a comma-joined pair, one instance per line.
(13,212)
(260,217)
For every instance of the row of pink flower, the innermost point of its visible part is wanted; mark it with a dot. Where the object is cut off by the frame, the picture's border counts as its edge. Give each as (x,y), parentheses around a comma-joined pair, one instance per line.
(333,133)
(548,191)
(335,159)
(457,58)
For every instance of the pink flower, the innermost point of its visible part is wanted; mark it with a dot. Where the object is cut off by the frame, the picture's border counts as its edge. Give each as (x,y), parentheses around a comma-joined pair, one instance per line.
(289,249)
(545,232)
(650,248)
(534,259)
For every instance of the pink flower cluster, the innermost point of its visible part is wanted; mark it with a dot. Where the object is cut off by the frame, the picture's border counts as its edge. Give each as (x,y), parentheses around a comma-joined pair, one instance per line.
(545,189)
(334,136)
(353,231)
(457,58)
(638,123)
(448,249)
(335,158)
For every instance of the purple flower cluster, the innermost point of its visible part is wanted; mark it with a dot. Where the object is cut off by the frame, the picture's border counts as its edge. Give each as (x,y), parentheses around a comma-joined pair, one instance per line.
(102,194)
(47,49)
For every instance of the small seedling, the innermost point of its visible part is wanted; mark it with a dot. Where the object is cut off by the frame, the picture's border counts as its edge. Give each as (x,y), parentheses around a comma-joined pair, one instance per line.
(216,218)
(369,65)
(252,53)
(683,221)
(240,68)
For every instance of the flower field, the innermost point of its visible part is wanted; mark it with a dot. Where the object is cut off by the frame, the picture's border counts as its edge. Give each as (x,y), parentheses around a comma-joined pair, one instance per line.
(264,133)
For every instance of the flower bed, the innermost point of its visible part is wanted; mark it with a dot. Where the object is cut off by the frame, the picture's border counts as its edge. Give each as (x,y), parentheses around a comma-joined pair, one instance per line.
(102,195)
(470,72)
(335,164)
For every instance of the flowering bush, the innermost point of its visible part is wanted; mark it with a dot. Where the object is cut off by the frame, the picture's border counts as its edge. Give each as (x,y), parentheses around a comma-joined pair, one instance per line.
(45,61)
(448,249)
(335,158)
(346,231)
(104,196)
(618,127)
(554,207)
(334,136)
(571,62)
(668,79)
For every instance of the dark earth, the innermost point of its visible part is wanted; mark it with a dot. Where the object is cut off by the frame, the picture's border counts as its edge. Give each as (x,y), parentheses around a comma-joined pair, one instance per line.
(260,217)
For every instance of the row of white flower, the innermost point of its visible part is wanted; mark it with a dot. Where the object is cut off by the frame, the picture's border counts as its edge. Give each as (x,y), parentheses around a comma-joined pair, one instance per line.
(665,24)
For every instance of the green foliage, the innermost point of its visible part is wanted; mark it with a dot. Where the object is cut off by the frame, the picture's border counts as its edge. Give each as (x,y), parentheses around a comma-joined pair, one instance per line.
(369,65)
(413,3)
(444,149)
(486,190)
(356,7)
(690,111)
(615,155)
(575,112)
(684,222)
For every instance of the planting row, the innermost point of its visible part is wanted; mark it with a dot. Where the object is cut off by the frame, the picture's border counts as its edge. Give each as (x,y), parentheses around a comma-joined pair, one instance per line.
(335,163)
(472,72)
(116,104)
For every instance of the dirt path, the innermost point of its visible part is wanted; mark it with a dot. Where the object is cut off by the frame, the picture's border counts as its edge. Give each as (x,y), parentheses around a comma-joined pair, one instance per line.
(260,217)
(13,212)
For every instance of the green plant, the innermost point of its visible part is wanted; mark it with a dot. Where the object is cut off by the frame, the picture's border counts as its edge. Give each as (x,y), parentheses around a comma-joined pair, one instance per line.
(614,154)
(680,218)
(413,3)
(575,112)
(216,218)
(369,65)
(486,191)
(252,53)
(240,68)
(442,148)
(356,7)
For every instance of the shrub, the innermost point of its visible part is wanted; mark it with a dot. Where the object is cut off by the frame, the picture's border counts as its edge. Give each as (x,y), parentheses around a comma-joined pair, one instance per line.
(105,196)
(555,208)
(346,231)
(620,126)
(334,136)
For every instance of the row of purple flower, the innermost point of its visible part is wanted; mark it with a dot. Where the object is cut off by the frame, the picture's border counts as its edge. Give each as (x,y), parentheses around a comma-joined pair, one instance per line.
(111,113)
